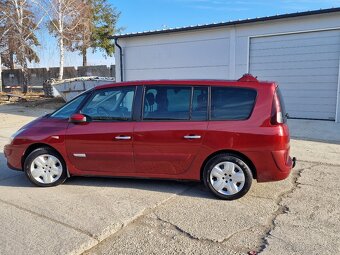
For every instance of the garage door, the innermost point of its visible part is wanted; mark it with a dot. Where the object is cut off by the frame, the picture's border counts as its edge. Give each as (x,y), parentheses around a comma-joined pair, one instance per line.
(306,66)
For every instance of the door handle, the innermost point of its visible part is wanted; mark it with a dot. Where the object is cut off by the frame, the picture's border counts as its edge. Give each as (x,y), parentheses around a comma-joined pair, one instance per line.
(123,137)
(192,137)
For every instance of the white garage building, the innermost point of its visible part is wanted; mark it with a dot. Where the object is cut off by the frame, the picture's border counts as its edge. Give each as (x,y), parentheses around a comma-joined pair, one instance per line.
(300,51)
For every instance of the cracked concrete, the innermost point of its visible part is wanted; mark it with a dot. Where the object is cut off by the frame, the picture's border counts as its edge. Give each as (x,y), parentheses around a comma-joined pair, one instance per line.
(283,208)
(158,237)
(186,223)
(300,215)
(236,227)
(312,224)
(26,233)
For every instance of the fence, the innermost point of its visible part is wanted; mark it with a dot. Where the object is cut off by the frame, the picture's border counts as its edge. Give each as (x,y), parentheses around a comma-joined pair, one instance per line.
(14,78)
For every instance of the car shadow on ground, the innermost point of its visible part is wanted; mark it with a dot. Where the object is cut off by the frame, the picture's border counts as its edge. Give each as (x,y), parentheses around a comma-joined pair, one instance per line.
(183,188)
(17,179)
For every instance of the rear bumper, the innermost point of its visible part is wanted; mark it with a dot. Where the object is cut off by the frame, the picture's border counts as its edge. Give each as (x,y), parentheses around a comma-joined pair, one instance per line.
(282,160)
(272,165)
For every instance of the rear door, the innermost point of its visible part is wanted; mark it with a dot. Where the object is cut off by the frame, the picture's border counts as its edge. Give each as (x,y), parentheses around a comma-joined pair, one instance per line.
(173,125)
(104,144)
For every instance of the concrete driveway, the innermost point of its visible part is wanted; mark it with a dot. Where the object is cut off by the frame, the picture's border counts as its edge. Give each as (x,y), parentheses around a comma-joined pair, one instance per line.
(300,215)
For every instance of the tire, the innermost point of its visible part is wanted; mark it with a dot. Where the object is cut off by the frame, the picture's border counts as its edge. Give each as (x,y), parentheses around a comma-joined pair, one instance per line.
(227,176)
(44,167)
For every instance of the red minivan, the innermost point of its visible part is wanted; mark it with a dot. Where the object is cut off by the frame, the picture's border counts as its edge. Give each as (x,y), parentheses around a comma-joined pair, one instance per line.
(224,133)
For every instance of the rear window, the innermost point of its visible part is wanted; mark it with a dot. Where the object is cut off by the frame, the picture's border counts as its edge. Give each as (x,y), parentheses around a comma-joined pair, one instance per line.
(232,103)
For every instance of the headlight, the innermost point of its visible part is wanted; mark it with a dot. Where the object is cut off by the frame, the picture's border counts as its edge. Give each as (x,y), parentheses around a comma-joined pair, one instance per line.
(11,138)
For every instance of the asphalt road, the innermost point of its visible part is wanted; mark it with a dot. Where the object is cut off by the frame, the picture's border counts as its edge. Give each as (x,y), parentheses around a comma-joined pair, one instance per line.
(300,215)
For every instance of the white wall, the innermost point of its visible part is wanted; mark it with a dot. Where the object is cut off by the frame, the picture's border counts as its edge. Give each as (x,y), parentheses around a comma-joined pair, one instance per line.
(214,53)
(181,56)
(220,53)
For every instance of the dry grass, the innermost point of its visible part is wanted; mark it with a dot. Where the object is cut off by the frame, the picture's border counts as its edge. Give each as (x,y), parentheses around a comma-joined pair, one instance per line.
(31,99)
(28,94)
(47,103)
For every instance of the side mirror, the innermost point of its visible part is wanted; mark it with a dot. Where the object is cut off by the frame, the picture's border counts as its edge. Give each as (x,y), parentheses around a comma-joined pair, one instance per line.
(78,118)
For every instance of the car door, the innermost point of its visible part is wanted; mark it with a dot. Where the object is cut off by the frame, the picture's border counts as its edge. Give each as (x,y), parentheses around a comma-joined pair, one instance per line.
(170,134)
(104,143)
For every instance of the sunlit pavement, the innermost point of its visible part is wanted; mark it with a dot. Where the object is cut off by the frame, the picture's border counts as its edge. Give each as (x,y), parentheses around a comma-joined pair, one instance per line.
(300,215)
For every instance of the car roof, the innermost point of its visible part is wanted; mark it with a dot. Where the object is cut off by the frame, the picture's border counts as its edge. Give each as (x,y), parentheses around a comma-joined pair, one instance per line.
(237,83)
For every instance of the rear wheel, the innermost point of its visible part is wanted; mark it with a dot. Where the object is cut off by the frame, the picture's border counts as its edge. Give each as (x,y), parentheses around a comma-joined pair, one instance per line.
(227,176)
(45,168)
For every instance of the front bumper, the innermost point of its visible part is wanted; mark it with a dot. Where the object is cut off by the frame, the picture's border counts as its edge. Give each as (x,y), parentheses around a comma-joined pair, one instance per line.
(13,154)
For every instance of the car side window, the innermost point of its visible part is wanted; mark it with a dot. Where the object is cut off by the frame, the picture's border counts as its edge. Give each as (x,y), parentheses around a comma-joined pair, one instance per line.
(167,103)
(110,104)
(230,103)
(200,103)
(68,109)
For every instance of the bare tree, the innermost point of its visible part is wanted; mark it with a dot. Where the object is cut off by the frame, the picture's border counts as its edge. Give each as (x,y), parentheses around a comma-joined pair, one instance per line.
(0,73)
(83,34)
(3,32)
(2,46)
(20,23)
(65,17)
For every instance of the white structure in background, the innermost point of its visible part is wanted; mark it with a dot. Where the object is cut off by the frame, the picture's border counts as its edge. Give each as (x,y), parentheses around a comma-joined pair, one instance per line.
(300,51)
(70,88)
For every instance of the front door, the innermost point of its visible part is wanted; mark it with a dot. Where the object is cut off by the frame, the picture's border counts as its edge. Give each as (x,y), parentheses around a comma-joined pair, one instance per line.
(104,143)
(172,129)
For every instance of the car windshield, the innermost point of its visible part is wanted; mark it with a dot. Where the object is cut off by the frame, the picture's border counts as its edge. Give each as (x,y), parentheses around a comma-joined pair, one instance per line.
(69,108)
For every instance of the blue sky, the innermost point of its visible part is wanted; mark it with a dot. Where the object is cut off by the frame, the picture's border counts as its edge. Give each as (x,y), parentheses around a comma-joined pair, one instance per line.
(142,15)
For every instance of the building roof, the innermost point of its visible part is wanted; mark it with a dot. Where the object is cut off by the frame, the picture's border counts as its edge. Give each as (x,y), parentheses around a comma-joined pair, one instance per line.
(228,23)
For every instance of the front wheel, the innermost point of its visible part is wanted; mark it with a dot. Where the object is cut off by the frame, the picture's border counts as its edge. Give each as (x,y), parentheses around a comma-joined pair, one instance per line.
(45,168)
(227,176)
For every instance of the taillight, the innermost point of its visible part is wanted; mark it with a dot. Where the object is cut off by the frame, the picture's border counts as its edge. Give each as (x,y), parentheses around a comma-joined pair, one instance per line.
(276,115)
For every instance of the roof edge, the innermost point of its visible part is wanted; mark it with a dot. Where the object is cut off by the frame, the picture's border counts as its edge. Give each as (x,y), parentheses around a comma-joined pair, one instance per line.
(229,23)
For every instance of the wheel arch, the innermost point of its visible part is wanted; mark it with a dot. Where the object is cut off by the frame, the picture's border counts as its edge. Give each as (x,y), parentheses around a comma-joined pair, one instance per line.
(237,153)
(35,146)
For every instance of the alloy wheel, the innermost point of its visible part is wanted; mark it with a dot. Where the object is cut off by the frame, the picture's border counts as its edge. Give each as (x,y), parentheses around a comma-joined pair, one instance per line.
(227,178)
(46,169)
